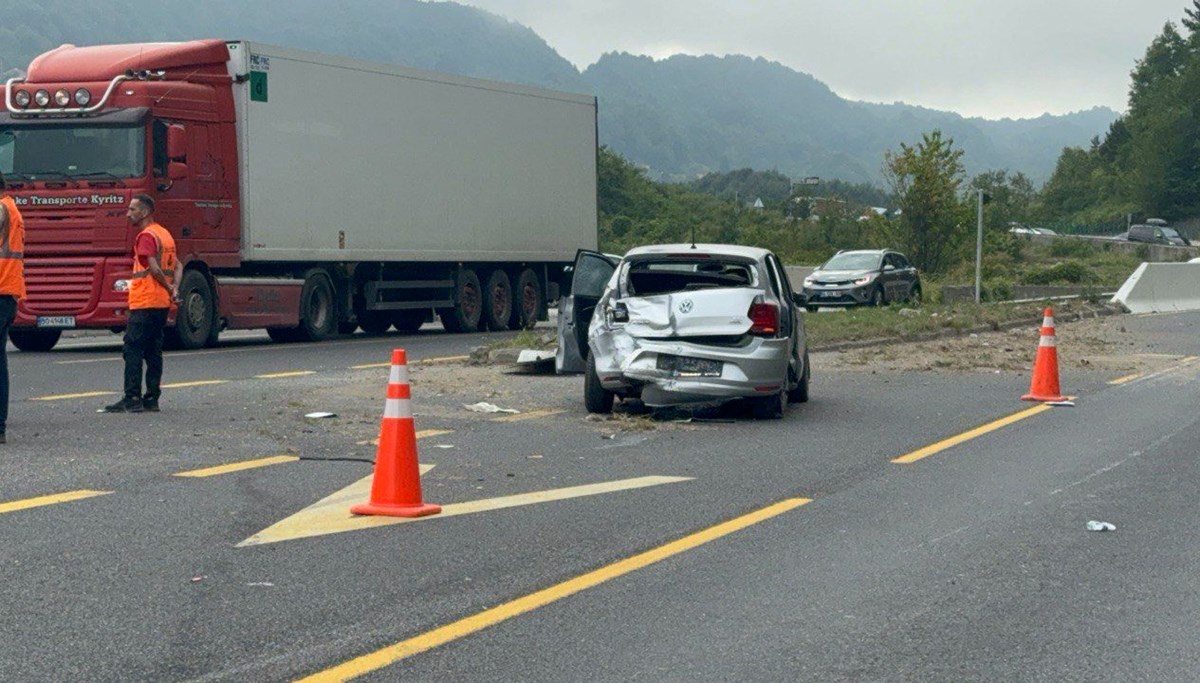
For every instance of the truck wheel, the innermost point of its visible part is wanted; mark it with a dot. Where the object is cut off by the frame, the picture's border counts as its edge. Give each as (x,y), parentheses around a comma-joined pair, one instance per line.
(318,312)
(596,398)
(34,340)
(408,322)
(498,300)
(468,303)
(529,301)
(195,319)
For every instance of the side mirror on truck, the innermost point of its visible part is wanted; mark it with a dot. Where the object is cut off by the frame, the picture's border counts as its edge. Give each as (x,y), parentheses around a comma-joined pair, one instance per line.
(176,142)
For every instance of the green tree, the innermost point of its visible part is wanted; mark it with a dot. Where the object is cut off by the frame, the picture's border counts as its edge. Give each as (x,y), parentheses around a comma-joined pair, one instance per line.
(1011,196)
(926,180)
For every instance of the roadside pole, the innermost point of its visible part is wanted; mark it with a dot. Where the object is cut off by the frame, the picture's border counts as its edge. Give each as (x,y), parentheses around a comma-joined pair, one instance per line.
(979,245)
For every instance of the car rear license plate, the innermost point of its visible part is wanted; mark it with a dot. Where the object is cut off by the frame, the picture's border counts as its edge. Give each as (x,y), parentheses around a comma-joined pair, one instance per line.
(56,321)
(682,366)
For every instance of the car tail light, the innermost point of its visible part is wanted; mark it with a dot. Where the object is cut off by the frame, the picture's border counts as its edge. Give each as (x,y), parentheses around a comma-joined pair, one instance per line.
(764,319)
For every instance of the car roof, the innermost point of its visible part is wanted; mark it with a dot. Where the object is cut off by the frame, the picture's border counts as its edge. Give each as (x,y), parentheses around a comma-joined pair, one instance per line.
(866,251)
(736,250)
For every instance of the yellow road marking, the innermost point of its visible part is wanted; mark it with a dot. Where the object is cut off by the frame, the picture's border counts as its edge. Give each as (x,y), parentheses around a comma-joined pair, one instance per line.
(1126,378)
(477,622)
(63,397)
(199,383)
(968,435)
(238,466)
(281,375)
(14,505)
(423,361)
(331,515)
(531,415)
(423,434)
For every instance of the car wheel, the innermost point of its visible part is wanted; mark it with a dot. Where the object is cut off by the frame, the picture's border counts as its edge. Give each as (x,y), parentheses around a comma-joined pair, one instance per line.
(769,407)
(876,297)
(800,393)
(811,309)
(596,398)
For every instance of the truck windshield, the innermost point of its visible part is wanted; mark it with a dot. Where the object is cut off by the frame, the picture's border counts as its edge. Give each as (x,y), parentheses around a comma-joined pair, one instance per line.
(51,152)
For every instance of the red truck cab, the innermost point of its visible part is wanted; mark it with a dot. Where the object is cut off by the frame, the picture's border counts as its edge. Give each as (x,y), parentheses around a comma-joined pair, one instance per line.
(86,130)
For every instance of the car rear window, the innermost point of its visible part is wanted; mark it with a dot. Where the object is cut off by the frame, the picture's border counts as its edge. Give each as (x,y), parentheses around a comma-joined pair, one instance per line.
(665,277)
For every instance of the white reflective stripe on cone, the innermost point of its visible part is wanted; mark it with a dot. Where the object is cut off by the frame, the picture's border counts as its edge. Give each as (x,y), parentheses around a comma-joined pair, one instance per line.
(1047,340)
(1048,321)
(399,375)
(397,407)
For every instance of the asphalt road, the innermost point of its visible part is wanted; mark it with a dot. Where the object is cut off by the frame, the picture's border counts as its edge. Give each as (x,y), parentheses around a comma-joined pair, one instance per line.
(972,563)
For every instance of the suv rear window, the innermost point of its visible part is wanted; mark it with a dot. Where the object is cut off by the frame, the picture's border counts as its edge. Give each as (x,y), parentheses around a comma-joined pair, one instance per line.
(666,277)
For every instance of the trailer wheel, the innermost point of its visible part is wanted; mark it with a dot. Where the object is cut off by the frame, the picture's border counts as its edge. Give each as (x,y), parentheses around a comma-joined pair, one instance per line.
(529,301)
(498,300)
(195,319)
(34,340)
(318,310)
(468,303)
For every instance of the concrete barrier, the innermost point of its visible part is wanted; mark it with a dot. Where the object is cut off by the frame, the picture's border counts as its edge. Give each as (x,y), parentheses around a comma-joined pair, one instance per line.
(1161,287)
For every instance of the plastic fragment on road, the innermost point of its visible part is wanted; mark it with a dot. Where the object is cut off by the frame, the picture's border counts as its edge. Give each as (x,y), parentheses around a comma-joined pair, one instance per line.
(1068,404)
(484,407)
(320,415)
(1093,525)
(443,445)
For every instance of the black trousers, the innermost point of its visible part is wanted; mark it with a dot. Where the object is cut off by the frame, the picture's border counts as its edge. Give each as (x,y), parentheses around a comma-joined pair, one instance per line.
(8,311)
(143,344)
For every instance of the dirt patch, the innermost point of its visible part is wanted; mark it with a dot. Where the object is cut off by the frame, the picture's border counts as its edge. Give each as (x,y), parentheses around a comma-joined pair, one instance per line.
(1102,344)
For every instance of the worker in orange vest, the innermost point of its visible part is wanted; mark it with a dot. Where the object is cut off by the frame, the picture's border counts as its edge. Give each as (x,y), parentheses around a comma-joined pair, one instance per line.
(152,290)
(12,286)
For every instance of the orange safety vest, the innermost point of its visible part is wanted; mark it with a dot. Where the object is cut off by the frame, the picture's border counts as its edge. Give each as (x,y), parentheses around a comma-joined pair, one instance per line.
(144,290)
(12,252)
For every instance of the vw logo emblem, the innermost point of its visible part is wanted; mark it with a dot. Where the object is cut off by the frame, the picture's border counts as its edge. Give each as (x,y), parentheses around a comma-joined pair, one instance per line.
(685,306)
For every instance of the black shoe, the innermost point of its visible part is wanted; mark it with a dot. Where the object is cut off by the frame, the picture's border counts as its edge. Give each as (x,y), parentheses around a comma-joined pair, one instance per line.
(2,439)
(150,405)
(125,405)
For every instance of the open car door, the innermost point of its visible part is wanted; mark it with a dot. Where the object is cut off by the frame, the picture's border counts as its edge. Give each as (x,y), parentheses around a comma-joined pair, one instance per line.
(591,273)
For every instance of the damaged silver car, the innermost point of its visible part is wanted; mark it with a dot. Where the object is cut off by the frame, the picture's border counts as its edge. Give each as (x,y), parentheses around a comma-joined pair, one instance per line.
(680,324)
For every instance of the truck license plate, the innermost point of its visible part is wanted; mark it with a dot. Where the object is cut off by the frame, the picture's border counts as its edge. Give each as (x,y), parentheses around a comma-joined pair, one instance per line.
(56,321)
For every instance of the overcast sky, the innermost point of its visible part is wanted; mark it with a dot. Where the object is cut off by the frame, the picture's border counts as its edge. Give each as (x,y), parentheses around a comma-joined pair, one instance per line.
(990,58)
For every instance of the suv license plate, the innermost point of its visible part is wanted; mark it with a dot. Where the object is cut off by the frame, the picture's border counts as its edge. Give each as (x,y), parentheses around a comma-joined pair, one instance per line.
(830,295)
(56,321)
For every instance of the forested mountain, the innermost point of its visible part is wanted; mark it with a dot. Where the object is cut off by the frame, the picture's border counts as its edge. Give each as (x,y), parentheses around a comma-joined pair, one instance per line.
(1148,162)
(680,117)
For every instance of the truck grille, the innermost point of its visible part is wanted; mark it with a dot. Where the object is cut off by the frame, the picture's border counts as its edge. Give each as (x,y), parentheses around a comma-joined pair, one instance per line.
(59,287)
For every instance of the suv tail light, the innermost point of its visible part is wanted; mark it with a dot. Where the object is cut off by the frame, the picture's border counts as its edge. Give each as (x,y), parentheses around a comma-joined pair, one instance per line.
(764,319)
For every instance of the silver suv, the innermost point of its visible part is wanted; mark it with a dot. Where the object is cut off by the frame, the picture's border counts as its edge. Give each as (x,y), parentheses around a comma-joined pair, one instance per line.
(866,277)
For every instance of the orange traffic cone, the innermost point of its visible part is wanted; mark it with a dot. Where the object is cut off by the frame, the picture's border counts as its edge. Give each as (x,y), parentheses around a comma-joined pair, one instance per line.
(1044,386)
(396,488)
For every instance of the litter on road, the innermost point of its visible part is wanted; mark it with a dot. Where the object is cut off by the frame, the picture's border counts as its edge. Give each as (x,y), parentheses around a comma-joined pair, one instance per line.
(483,407)
(1100,526)
(320,415)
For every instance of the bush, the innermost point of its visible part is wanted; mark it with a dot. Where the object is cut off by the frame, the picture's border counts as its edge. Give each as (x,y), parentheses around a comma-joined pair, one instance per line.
(1071,248)
(1142,252)
(1066,272)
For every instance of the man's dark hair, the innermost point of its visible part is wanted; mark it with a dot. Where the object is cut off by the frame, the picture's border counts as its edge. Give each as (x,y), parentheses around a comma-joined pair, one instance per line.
(3,184)
(146,200)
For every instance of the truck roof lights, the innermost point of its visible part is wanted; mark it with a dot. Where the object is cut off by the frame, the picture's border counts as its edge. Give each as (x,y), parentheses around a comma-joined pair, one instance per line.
(82,97)
(42,98)
(22,98)
(62,98)
(17,101)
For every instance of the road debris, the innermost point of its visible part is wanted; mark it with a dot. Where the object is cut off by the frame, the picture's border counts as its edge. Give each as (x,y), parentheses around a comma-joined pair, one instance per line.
(1100,526)
(1069,404)
(320,415)
(484,407)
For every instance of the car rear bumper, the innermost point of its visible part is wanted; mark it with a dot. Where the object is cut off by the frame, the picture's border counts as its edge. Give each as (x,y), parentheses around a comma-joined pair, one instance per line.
(756,369)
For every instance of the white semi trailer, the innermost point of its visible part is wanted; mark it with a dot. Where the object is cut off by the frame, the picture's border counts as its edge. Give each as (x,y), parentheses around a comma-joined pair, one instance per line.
(308,194)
